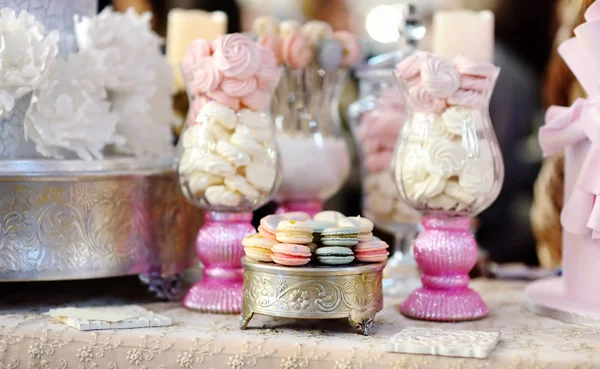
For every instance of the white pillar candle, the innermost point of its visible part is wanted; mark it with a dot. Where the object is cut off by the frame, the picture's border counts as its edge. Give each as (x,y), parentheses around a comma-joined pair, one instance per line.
(464,32)
(185,26)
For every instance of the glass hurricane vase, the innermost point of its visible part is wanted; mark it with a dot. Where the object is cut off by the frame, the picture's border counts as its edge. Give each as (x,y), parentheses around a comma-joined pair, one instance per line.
(449,167)
(228,165)
(314,152)
(376,119)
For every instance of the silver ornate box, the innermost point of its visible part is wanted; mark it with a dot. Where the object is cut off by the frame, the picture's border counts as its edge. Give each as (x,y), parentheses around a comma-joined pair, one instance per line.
(77,220)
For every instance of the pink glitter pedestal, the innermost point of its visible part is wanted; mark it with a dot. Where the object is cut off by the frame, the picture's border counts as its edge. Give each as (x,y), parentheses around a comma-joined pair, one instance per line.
(219,248)
(311,207)
(445,251)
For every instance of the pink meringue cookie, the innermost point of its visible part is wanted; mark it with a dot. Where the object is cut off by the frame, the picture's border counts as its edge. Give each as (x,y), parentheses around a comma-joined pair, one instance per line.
(203,76)
(468,98)
(439,77)
(257,100)
(236,87)
(198,49)
(423,101)
(236,55)
(224,99)
(379,161)
(474,83)
(273,42)
(297,51)
(474,68)
(352,49)
(410,67)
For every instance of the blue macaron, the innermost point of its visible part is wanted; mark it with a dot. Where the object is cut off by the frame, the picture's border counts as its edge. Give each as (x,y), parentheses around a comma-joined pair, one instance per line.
(334,255)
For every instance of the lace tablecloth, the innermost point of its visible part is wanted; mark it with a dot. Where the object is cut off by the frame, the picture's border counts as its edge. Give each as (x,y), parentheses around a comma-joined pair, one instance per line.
(29,339)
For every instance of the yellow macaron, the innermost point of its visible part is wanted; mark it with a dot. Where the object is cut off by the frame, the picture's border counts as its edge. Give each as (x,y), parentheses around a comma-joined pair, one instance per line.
(258,247)
(291,231)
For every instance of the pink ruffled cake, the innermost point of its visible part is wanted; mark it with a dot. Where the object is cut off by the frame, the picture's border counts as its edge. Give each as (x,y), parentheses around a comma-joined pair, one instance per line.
(575,297)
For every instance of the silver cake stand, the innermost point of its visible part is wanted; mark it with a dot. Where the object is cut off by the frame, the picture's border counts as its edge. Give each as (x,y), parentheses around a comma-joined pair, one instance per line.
(74,219)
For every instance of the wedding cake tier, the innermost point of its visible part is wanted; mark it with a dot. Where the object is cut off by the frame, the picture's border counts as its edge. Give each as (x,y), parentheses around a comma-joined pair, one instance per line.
(56,15)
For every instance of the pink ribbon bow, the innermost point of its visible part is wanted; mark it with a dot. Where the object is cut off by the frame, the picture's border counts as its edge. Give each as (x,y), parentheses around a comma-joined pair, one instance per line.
(578,124)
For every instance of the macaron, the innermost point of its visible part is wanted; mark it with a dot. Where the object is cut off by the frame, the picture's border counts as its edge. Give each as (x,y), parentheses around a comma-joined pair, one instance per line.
(318,227)
(334,255)
(290,254)
(268,225)
(291,231)
(372,251)
(329,216)
(339,236)
(296,215)
(258,247)
(364,226)
(313,247)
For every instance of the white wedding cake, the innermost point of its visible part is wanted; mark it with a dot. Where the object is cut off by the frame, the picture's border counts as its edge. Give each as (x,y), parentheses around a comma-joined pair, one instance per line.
(75,84)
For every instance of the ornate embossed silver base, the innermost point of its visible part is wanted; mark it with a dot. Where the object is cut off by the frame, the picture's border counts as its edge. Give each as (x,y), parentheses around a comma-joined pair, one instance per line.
(313,292)
(547,297)
(73,219)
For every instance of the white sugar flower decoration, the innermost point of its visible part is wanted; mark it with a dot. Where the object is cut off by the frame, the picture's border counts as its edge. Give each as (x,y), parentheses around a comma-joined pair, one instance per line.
(137,76)
(70,114)
(123,45)
(26,56)
(146,121)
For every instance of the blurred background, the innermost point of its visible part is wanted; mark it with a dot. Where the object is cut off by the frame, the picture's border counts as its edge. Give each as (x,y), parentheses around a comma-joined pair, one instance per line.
(525,35)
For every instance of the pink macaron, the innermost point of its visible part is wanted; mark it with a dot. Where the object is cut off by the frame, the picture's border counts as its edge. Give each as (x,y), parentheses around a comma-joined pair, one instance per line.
(268,225)
(373,251)
(290,255)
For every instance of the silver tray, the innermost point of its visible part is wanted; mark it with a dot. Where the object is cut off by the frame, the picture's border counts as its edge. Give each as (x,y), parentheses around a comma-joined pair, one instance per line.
(73,219)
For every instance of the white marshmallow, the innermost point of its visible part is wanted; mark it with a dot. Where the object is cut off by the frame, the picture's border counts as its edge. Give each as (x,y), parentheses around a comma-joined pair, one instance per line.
(261,175)
(198,181)
(214,164)
(232,154)
(220,195)
(255,119)
(214,112)
(260,135)
(241,185)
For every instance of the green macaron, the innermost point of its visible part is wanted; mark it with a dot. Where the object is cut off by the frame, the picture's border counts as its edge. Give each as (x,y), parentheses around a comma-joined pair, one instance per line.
(318,227)
(334,255)
(339,236)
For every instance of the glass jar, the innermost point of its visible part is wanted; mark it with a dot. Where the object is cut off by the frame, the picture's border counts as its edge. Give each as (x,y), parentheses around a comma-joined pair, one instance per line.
(228,165)
(448,166)
(376,120)
(228,161)
(314,152)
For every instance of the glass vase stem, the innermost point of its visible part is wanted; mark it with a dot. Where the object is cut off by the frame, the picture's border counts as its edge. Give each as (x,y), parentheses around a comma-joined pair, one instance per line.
(219,248)
(445,251)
